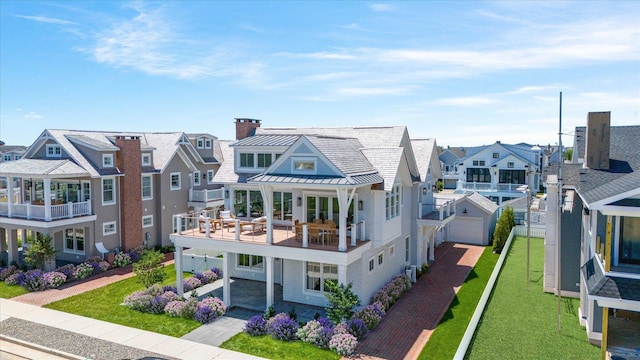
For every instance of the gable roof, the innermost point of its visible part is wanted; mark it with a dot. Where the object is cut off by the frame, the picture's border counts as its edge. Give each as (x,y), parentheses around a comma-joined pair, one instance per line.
(424,150)
(226,173)
(386,160)
(623,175)
(482,202)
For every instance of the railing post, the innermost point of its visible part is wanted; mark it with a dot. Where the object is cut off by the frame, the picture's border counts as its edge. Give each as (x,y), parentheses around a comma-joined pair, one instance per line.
(354,234)
(70,209)
(305,236)
(363,229)
(207,227)
(237,230)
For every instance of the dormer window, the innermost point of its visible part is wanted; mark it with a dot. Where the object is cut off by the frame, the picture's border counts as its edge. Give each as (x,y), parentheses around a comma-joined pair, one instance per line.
(264,160)
(107,160)
(207,143)
(510,165)
(146,159)
(54,150)
(246,160)
(496,155)
(203,143)
(478,163)
(307,165)
(200,143)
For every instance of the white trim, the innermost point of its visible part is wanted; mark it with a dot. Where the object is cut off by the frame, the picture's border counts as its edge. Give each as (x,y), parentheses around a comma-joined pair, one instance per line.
(179,186)
(210,174)
(75,242)
(113,190)
(106,226)
(323,278)
(371,264)
(250,268)
(146,159)
(107,161)
(150,197)
(380,259)
(196,178)
(146,217)
(53,150)
(208,143)
(297,159)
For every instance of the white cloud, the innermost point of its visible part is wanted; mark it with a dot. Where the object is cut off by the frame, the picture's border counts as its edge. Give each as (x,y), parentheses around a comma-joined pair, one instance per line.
(251,28)
(466,101)
(45,19)
(32,115)
(354,91)
(381,7)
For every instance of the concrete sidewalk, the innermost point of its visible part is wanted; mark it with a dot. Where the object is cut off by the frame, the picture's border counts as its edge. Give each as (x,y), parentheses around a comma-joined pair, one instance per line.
(95,339)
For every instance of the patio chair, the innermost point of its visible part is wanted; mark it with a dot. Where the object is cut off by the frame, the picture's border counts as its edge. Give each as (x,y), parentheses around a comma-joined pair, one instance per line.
(101,249)
(297,228)
(228,219)
(254,225)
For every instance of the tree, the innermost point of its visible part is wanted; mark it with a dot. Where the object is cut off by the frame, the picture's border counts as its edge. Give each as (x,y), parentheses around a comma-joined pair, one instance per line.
(568,154)
(341,301)
(39,252)
(500,235)
(149,269)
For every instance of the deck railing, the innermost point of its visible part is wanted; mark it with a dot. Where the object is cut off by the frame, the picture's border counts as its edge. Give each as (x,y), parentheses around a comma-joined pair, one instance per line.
(206,195)
(39,212)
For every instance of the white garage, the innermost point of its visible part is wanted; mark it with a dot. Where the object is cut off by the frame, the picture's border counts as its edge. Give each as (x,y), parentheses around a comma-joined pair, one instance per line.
(469,230)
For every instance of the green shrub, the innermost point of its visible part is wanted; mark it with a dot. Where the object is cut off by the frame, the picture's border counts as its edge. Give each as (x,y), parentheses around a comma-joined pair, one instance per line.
(40,251)
(505,223)
(341,301)
(149,269)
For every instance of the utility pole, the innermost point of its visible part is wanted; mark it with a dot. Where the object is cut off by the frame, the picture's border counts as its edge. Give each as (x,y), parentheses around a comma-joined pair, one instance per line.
(559,231)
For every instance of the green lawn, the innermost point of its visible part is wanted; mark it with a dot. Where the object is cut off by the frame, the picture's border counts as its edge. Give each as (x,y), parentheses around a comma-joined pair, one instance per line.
(443,343)
(104,304)
(522,324)
(9,291)
(266,347)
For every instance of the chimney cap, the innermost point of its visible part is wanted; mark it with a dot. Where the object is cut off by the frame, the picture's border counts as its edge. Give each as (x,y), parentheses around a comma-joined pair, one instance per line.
(247,120)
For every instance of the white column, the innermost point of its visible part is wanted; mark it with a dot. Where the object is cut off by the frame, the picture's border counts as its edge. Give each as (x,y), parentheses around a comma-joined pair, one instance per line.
(237,230)
(226,284)
(207,227)
(344,200)
(342,274)
(9,195)
(431,234)
(13,246)
(47,199)
(267,199)
(269,264)
(305,235)
(178,265)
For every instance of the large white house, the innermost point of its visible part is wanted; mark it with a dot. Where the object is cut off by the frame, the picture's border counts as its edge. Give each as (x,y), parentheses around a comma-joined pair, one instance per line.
(364,212)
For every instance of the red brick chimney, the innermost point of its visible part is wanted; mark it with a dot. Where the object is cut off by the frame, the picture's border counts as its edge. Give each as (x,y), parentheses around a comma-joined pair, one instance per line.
(246,127)
(597,140)
(129,162)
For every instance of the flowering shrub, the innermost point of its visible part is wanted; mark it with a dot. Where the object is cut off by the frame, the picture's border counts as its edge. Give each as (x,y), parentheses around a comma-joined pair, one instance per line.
(218,272)
(190,307)
(208,277)
(379,308)
(358,328)
(174,308)
(391,292)
(33,280)
(5,272)
(82,271)
(209,309)
(282,327)
(54,279)
(139,300)
(370,315)
(216,304)
(310,332)
(343,344)
(136,253)
(122,259)
(170,288)
(170,296)
(256,326)
(341,328)
(190,284)
(14,279)
(68,271)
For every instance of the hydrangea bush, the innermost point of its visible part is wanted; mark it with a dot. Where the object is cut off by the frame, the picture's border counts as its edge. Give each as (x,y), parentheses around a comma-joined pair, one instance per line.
(256,326)
(343,343)
(282,327)
(358,328)
(5,272)
(370,315)
(122,259)
(83,271)
(392,291)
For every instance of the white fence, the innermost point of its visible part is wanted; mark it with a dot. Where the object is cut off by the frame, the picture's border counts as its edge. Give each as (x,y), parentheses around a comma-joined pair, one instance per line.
(198,260)
(536,231)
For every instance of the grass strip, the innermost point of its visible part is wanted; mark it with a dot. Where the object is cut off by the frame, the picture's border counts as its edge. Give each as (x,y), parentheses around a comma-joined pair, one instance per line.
(266,347)
(444,341)
(104,304)
(522,324)
(9,291)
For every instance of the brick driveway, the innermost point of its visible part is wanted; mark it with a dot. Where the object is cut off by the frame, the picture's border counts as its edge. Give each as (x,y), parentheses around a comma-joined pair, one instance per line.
(410,322)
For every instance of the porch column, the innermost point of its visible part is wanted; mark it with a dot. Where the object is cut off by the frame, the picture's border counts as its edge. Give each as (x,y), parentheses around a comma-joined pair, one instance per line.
(178,265)
(431,234)
(3,240)
(226,284)
(342,274)
(9,195)
(344,200)
(269,264)
(12,254)
(267,199)
(47,199)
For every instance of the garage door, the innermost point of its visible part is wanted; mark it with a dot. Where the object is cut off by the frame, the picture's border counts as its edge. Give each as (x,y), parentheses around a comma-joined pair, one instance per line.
(467,230)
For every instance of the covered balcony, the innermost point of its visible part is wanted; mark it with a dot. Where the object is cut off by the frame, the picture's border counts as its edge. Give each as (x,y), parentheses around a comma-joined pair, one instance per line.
(207,198)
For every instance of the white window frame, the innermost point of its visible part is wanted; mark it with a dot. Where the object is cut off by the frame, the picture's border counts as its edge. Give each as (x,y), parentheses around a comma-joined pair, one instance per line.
(75,250)
(248,165)
(179,181)
(150,223)
(146,159)
(107,161)
(393,202)
(380,259)
(200,143)
(511,165)
(6,157)
(251,267)
(196,178)
(322,276)
(150,177)
(113,190)
(207,143)
(496,155)
(53,150)
(297,160)
(371,264)
(407,249)
(109,228)
(85,190)
(263,154)
(210,174)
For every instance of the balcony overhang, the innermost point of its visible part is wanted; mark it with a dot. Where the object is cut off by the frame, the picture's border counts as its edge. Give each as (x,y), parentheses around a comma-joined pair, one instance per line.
(28,223)
(615,292)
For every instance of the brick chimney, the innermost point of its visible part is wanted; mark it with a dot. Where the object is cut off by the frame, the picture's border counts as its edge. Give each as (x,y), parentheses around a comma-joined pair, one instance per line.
(246,127)
(129,162)
(597,140)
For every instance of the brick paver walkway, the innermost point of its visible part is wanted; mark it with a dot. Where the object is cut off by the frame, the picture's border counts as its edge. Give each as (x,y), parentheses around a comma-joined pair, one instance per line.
(40,298)
(410,322)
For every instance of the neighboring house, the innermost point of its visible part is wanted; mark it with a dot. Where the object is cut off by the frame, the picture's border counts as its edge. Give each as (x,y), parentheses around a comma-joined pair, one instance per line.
(449,165)
(600,232)
(475,219)
(353,193)
(121,189)
(499,171)
(11,152)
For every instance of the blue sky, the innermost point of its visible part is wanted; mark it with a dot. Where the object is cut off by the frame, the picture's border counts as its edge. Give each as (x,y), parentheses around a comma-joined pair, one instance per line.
(463,72)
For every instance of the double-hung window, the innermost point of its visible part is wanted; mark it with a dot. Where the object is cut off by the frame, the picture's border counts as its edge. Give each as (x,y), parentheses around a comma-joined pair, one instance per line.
(393,202)
(107,160)
(196,178)
(246,160)
(210,174)
(147,187)
(74,241)
(250,262)
(175,181)
(318,275)
(108,191)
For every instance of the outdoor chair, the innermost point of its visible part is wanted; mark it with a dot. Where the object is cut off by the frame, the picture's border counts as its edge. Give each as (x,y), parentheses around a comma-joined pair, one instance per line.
(101,249)
(228,219)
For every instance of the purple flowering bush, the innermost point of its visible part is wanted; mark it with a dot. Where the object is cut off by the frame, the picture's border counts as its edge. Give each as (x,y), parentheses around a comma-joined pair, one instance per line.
(174,308)
(282,327)
(54,279)
(256,326)
(343,343)
(217,271)
(392,291)
(68,271)
(370,315)
(34,280)
(358,328)
(190,284)
(122,259)
(136,253)
(209,309)
(316,333)
(139,300)
(5,272)
(14,279)
(208,277)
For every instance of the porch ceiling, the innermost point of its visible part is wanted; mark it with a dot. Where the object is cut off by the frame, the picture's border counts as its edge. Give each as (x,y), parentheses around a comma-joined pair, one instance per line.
(42,168)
